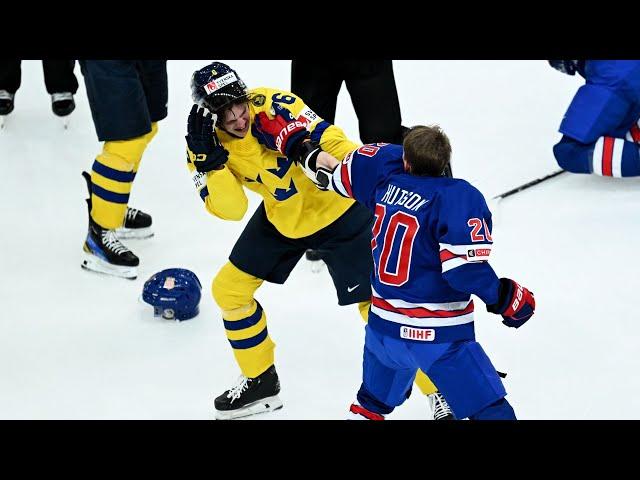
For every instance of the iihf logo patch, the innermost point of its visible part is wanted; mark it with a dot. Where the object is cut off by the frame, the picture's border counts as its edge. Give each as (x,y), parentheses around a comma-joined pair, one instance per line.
(420,334)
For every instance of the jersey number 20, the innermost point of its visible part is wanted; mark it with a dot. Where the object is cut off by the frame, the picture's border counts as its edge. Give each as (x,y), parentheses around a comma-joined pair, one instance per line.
(398,239)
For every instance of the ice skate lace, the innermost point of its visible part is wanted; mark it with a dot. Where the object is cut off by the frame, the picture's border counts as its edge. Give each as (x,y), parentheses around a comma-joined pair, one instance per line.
(132,213)
(58,97)
(439,405)
(110,240)
(236,390)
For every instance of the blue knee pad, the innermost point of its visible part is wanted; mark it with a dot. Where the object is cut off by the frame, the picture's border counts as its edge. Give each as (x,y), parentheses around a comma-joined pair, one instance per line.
(596,110)
(383,377)
(467,379)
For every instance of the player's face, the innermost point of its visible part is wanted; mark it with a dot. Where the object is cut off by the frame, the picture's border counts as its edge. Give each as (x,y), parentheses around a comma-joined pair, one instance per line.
(236,120)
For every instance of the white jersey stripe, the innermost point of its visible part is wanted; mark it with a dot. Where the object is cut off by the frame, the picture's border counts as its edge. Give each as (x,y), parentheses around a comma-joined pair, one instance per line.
(453,263)
(337,183)
(421,322)
(464,249)
(616,165)
(397,303)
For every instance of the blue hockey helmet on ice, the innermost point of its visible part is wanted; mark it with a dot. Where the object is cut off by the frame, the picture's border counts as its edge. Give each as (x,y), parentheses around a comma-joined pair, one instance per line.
(217,86)
(173,293)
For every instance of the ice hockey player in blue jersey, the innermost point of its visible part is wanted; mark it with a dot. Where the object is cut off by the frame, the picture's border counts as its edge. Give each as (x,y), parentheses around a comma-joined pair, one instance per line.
(431,242)
(600,129)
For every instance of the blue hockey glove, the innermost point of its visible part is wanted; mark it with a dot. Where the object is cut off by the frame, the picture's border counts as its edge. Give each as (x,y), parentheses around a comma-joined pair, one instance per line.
(204,149)
(515,303)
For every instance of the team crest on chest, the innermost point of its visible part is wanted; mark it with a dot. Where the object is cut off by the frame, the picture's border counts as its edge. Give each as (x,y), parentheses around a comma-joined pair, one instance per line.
(258,100)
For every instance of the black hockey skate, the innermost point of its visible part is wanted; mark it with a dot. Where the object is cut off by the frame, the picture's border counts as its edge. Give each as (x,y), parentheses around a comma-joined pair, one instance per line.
(102,250)
(104,253)
(6,102)
(440,408)
(137,224)
(250,396)
(62,103)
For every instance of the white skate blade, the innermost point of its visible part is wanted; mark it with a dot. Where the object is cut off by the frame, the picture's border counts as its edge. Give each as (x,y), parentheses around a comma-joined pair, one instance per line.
(126,233)
(65,122)
(96,264)
(2,122)
(265,405)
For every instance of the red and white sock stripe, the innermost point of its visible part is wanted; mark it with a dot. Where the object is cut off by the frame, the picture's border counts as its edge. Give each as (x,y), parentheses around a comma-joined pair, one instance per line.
(607,157)
(633,135)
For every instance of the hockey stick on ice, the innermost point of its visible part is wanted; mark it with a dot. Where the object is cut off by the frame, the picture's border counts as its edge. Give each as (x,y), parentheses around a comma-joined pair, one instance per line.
(528,185)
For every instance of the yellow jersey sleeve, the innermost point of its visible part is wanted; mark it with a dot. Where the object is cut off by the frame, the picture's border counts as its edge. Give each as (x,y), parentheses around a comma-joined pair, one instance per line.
(221,192)
(331,138)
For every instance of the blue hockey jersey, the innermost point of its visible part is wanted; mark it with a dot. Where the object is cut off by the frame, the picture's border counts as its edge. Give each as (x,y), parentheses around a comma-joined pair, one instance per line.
(431,242)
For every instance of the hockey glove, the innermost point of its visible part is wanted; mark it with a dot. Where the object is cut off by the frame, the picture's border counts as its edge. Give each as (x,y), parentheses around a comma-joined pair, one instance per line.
(570,67)
(203,146)
(515,303)
(282,133)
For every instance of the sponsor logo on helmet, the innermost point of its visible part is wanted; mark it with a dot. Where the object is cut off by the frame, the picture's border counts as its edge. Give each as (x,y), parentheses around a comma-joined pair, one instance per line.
(218,83)
(169,283)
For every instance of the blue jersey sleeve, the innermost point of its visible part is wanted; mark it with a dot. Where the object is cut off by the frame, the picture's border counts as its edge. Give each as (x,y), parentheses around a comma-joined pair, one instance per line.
(364,169)
(464,234)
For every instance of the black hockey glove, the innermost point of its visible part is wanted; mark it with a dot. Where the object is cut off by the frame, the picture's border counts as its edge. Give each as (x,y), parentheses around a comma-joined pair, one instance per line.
(570,67)
(203,146)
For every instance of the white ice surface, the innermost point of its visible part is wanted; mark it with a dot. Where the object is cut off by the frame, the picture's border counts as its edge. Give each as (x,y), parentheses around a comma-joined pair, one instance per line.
(77,345)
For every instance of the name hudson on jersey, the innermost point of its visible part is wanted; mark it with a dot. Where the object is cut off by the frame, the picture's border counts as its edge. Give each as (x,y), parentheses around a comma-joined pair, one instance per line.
(400,196)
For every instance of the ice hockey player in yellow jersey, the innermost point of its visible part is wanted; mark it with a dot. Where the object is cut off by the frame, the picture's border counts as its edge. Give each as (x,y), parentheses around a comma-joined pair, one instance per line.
(233,146)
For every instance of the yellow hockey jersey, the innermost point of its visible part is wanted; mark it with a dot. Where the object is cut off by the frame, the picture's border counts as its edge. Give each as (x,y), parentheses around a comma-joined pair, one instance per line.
(293,204)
